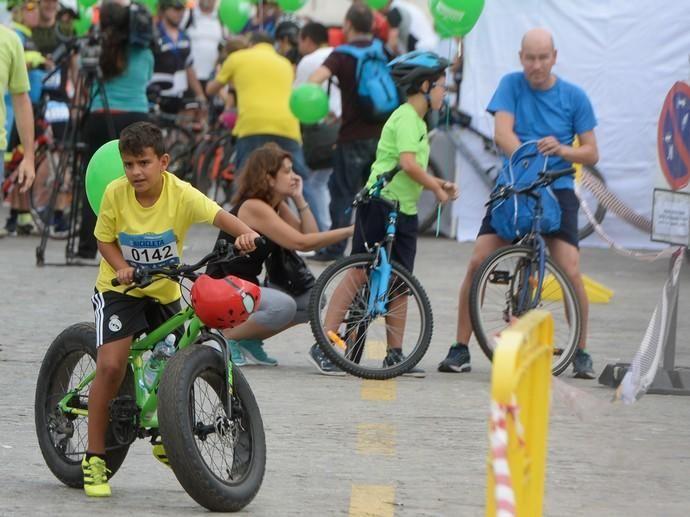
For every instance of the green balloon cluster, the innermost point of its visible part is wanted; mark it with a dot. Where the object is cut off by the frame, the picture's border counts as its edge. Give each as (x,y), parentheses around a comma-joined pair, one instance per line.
(455,17)
(234,14)
(292,5)
(105,166)
(309,103)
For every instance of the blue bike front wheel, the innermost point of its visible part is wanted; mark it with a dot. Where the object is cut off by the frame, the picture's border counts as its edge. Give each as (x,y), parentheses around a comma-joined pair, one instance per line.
(357,337)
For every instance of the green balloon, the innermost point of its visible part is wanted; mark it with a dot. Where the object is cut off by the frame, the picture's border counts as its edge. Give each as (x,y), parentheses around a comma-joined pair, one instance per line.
(83,23)
(234,14)
(291,5)
(105,166)
(309,103)
(456,17)
(376,4)
(152,5)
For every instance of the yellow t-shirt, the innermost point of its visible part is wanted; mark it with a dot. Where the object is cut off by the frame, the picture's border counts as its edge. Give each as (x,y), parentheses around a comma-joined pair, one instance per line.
(263,81)
(150,236)
(14,77)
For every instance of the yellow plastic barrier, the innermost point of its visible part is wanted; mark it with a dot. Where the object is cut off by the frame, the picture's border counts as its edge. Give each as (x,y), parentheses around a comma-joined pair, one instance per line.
(596,292)
(520,388)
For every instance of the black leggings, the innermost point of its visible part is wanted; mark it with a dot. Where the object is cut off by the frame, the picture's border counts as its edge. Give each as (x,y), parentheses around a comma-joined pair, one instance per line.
(96,134)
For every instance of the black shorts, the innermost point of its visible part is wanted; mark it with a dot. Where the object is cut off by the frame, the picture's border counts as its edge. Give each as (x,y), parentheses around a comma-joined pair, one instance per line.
(370,227)
(568,230)
(118,315)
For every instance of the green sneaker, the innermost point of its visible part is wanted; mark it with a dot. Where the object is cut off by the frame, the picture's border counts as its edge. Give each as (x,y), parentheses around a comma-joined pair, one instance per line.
(236,353)
(95,477)
(253,350)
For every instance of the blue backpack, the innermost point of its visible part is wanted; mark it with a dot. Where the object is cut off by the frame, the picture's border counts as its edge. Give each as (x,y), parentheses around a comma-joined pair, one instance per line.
(512,217)
(377,93)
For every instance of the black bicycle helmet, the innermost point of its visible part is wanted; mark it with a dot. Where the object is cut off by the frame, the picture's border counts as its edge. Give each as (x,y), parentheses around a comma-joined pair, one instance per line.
(410,70)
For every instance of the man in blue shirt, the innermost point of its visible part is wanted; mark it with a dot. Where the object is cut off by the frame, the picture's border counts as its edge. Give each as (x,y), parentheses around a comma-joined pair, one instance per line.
(535,104)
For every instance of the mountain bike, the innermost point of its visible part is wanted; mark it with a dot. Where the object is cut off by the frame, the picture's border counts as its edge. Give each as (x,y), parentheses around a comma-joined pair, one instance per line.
(480,152)
(199,404)
(358,303)
(518,278)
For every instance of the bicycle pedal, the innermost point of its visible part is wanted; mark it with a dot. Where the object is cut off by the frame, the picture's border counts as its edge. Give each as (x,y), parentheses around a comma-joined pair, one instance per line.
(499,277)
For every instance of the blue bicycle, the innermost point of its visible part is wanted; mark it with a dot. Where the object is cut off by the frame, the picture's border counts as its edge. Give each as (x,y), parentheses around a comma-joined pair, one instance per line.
(521,277)
(370,315)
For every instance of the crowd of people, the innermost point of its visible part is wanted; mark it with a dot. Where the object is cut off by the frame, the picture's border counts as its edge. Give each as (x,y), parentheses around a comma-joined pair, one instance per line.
(283,193)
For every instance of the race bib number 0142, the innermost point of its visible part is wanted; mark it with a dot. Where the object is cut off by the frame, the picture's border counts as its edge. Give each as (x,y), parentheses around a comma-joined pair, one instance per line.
(150,249)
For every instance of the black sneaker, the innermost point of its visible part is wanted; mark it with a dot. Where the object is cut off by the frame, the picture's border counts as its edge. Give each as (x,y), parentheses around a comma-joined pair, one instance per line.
(457,360)
(395,356)
(322,363)
(582,365)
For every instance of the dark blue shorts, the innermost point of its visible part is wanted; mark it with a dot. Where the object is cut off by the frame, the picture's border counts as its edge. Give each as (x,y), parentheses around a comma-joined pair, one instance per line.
(370,227)
(568,230)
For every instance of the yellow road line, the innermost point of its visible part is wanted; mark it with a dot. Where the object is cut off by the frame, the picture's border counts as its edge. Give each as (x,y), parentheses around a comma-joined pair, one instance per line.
(376,439)
(379,390)
(376,350)
(372,501)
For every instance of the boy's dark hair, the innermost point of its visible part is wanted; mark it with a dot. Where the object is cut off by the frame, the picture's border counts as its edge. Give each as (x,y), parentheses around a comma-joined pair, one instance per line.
(316,32)
(135,138)
(260,37)
(361,18)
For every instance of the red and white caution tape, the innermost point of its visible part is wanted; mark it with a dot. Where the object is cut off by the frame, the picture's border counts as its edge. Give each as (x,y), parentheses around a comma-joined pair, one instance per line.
(498,438)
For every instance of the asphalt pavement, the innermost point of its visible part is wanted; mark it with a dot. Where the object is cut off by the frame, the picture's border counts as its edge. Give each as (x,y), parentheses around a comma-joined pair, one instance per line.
(343,446)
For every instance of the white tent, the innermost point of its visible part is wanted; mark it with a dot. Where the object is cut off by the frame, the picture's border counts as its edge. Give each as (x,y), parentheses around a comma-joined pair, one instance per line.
(626,55)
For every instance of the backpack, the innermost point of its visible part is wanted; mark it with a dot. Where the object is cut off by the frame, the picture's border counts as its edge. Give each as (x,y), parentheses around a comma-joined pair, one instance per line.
(512,217)
(377,93)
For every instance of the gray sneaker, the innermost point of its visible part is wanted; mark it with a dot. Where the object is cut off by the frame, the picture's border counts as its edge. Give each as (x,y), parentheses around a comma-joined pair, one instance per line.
(395,356)
(322,363)
(582,365)
(457,360)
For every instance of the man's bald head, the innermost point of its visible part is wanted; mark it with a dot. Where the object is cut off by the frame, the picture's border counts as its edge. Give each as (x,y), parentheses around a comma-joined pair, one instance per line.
(537,39)
(538,55)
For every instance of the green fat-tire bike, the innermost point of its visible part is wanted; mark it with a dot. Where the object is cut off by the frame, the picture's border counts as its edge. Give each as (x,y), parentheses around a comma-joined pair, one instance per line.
(200,405)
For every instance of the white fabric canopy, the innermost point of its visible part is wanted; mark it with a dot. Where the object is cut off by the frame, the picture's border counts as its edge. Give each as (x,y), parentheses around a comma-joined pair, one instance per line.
(626,55)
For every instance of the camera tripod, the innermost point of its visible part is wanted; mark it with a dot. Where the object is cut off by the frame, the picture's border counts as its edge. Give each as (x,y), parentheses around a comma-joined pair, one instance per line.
(73,149)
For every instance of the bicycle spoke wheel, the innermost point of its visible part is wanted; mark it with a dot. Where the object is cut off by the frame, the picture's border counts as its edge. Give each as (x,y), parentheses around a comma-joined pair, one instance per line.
(341,302)
(63,437)
(585,227)
(218,459)
(504,288)
(42,190)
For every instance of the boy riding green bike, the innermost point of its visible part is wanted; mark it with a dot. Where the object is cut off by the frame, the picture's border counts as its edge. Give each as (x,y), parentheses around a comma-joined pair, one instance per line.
(143,220)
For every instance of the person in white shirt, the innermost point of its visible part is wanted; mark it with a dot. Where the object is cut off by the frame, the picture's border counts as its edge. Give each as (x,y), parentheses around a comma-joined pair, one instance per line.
(314,49)
(410,28)
(207,36)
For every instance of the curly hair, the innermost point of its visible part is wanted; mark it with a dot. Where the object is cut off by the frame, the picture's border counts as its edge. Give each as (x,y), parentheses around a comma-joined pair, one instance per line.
(115,30)
(262,162)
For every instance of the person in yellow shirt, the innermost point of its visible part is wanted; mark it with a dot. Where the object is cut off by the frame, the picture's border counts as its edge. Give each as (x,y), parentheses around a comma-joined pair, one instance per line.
(143,221)
(263,83)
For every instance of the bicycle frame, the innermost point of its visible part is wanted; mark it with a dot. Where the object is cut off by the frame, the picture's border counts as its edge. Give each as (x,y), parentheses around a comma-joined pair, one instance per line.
(381,273)
(146,400)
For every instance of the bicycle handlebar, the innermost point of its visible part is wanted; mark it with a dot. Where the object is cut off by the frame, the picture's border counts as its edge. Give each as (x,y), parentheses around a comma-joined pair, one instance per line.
(222,251)
(543,179)
(381,181)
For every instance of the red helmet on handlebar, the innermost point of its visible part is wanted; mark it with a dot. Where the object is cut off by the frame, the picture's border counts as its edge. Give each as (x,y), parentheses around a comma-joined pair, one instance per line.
(224,302)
